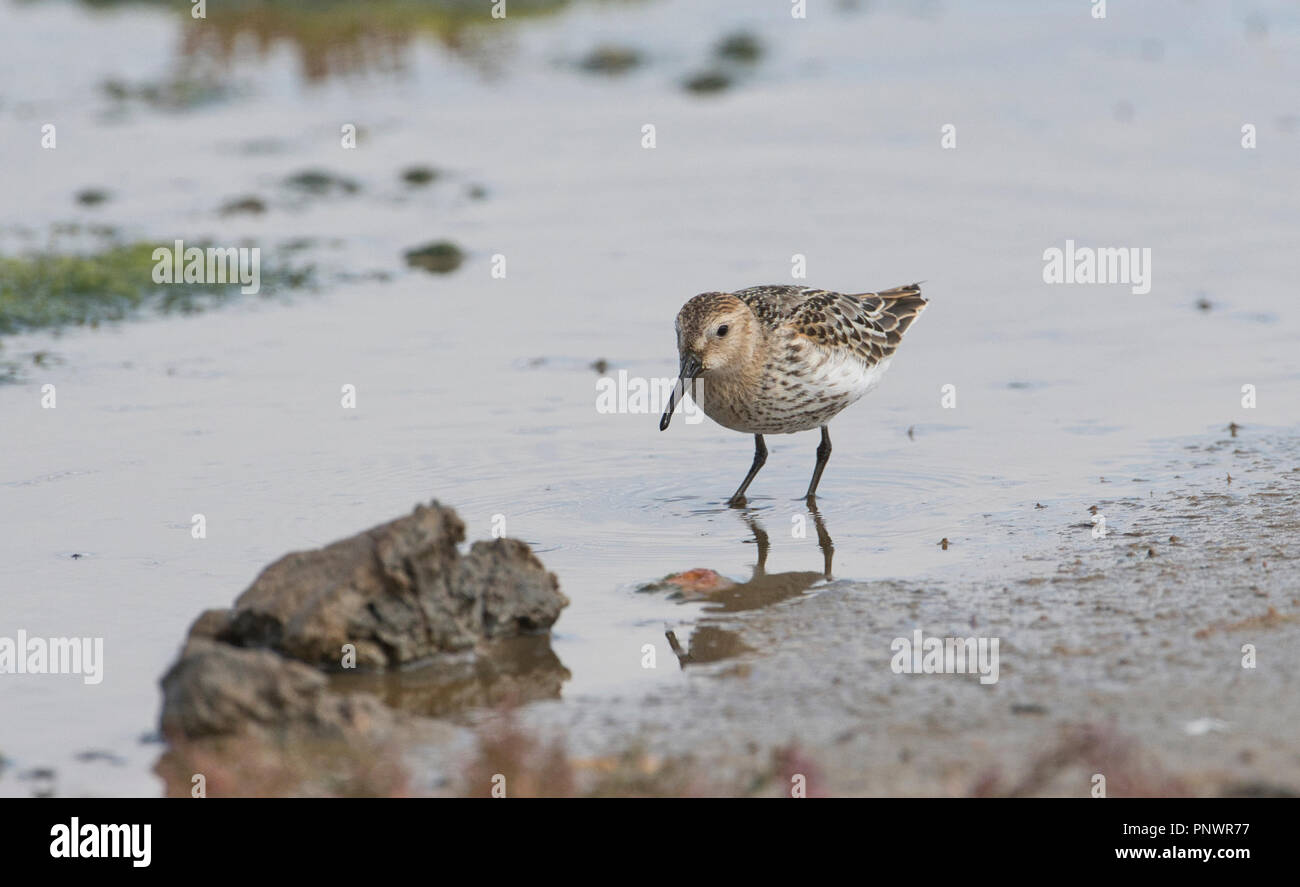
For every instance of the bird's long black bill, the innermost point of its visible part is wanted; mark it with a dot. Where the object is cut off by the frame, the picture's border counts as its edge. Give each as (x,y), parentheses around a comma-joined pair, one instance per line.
(690,370)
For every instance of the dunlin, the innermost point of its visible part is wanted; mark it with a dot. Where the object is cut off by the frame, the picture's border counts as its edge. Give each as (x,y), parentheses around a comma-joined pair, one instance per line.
(781,359)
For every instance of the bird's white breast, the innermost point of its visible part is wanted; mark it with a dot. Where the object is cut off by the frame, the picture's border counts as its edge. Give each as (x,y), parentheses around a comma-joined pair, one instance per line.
(844,376)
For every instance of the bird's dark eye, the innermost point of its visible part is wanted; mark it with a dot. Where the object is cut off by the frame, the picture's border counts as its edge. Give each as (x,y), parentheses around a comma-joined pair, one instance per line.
(722,331)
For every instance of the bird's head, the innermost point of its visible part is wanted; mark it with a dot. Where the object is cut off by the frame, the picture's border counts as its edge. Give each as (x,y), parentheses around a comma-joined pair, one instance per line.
(717,334)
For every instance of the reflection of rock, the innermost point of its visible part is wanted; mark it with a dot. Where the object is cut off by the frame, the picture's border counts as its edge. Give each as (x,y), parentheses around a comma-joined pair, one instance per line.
(511,672)
(399,593)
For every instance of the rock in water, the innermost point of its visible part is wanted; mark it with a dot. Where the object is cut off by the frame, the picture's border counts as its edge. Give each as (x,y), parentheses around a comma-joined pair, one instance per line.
(399,593)
(396,594)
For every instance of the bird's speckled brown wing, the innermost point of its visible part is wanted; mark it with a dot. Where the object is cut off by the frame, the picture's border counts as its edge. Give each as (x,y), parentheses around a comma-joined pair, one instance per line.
(869,324)
(775,305)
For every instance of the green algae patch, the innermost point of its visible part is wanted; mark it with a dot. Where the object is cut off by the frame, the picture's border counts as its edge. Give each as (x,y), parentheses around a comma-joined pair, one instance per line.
(53,290)
(440,257)
(418,176)
(740,46)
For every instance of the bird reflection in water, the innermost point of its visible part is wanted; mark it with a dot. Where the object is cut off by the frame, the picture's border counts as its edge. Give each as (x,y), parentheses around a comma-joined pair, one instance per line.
(711,642)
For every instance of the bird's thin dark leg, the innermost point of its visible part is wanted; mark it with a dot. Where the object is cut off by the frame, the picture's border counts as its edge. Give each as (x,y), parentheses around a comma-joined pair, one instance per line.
(760,456)
(823,456)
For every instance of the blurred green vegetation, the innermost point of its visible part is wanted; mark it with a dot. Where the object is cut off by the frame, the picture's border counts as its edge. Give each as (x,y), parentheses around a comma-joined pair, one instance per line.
(51,290)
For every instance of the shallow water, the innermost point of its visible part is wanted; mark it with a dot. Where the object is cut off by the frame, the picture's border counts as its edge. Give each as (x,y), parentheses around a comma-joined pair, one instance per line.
(479,391)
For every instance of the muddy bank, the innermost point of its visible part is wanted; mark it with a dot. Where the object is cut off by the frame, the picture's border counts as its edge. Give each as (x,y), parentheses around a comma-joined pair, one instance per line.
(1155,655)
(1125,654)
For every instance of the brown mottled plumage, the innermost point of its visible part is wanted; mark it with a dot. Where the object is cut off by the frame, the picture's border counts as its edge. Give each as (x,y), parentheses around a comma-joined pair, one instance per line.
(781,359)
